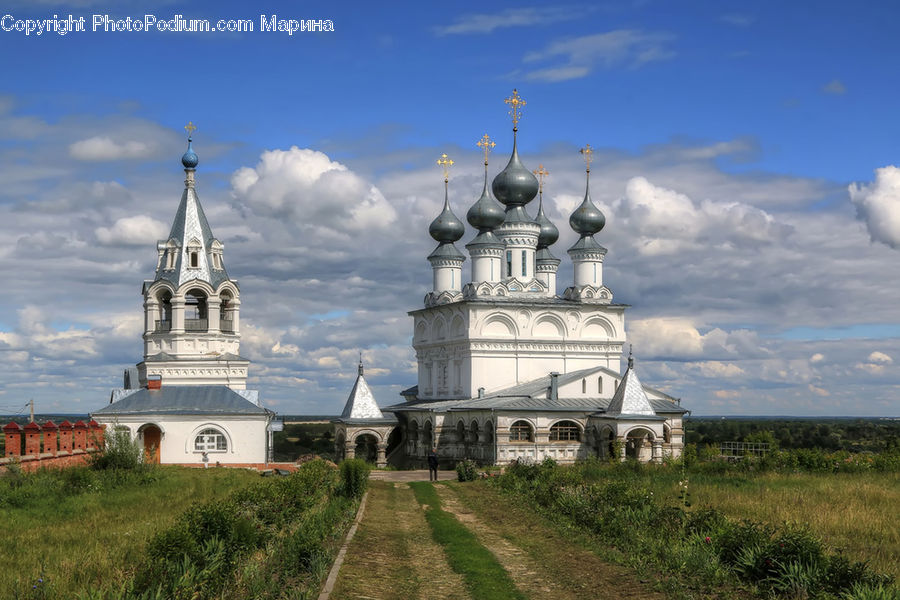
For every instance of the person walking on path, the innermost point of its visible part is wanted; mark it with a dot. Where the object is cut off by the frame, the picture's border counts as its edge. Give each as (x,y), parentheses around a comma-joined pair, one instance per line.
(432,465)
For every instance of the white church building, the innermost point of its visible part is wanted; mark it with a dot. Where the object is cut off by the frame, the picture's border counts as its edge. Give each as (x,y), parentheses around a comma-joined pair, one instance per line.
(188,399)
(507,368)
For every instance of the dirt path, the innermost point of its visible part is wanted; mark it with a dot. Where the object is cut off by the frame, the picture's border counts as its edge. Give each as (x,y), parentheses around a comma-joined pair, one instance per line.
(525,543)
(393,555)
(528,574)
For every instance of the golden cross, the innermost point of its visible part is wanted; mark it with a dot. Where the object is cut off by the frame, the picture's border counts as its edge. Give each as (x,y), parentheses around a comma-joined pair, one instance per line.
(445,163)
(190,128)
(486,145)
(588,153)
(541,172)
(515,102)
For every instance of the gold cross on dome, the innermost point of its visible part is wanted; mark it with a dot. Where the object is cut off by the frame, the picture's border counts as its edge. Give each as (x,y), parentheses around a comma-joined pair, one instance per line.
(445,163)
(190,128)
(541,172)
(588,154)
(486,145)
(515,103)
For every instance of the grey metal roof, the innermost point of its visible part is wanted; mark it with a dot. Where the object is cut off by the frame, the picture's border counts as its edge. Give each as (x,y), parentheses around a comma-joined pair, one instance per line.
(190,223)
(532,395)
(361,403)
(183,400)
(630,397)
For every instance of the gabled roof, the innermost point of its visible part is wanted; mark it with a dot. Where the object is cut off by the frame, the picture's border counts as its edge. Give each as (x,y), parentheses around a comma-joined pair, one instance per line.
(190,224)
(182,400)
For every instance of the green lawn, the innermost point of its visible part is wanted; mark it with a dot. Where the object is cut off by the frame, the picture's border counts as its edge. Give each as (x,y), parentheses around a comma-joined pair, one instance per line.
(79,540)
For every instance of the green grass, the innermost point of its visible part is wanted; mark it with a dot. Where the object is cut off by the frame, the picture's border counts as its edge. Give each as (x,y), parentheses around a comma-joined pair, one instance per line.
(485,577)
(855,513)
(82,540)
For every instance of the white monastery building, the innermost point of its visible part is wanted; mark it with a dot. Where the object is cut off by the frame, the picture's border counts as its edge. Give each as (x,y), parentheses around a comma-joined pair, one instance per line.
(188,399)
(507,368)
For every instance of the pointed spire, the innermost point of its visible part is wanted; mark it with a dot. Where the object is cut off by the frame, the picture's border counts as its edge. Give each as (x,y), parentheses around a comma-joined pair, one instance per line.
(361,403)
(630,397)
(630,357)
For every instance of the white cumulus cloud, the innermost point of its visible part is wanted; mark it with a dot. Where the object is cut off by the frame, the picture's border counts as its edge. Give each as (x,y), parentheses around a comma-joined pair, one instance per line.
(139,230)
(878,205)
(307,186)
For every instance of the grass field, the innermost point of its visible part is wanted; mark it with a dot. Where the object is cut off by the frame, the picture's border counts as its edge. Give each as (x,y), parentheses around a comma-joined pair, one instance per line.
(75,542)
(855,513)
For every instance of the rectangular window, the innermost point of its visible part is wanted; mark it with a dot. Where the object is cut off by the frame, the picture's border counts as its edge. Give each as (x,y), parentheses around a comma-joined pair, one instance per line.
(524,264)
(509,263)
(194,260)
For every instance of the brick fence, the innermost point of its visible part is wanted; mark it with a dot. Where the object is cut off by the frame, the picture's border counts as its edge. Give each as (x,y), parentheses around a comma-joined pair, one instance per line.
(51,445)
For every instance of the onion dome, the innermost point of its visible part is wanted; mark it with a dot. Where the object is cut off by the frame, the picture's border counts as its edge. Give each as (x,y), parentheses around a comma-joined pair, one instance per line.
(515,185)
(549,233)
(446,227)
(189,159)
(486,213)
(587,218)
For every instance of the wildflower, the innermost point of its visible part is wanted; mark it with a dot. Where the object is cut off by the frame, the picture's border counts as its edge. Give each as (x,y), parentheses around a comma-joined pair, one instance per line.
(707,540)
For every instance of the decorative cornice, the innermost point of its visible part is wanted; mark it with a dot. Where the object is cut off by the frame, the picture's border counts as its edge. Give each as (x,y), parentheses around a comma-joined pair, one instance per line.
(582,255)
(589,294)
(438,262)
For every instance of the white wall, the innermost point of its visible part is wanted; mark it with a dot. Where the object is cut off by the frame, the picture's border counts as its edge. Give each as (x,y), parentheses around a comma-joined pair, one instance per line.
(246,436)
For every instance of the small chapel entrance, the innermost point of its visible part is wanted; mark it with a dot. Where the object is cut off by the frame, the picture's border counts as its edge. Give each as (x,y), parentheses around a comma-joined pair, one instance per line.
(152,438)
(639,445)
(366,447)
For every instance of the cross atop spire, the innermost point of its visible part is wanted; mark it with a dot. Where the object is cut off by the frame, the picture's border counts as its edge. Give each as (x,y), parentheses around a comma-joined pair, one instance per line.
(190,128)
(541,172)
(445,163)
(630,356)
(515,111)
(588,154)
(486,145)
(360,363)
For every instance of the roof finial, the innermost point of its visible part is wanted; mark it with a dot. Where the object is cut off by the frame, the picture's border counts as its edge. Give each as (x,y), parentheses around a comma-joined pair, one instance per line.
(515,103)
(541,172)
(630,357)
(486,145)
(445,163)
(189,159)
(588,154)
(360,363)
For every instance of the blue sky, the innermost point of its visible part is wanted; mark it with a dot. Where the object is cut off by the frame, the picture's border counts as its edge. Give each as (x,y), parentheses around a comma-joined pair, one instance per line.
(728,137)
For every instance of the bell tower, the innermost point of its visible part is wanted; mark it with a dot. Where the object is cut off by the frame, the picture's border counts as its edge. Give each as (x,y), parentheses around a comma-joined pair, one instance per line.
(191,307)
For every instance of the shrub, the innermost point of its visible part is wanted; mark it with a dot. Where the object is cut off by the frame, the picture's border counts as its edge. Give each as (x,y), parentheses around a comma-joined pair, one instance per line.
(466,470)
(120,451)
(354,477)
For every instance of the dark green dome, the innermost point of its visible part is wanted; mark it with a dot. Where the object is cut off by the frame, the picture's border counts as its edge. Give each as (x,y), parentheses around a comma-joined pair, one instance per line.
(515,185)
(446,227)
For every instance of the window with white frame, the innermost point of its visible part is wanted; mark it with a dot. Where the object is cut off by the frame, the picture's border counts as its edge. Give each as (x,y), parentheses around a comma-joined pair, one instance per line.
(210,440)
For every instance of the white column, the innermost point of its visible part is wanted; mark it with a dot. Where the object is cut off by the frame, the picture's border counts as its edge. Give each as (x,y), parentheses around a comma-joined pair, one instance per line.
(177,315)
(212,314)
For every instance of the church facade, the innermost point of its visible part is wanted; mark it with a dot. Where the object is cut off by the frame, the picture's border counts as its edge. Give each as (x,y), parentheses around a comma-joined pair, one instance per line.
(507,368)
(187,401)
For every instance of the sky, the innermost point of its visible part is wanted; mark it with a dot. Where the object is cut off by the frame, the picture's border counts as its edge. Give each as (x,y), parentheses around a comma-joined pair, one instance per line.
(744,158)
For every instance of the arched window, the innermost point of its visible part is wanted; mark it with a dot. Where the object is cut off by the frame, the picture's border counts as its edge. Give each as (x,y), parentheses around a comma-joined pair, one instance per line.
(599,385)
(520,431)
(210,440)
(195,315)
(165,312)
(460,432)
(667,434)
(565,431)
